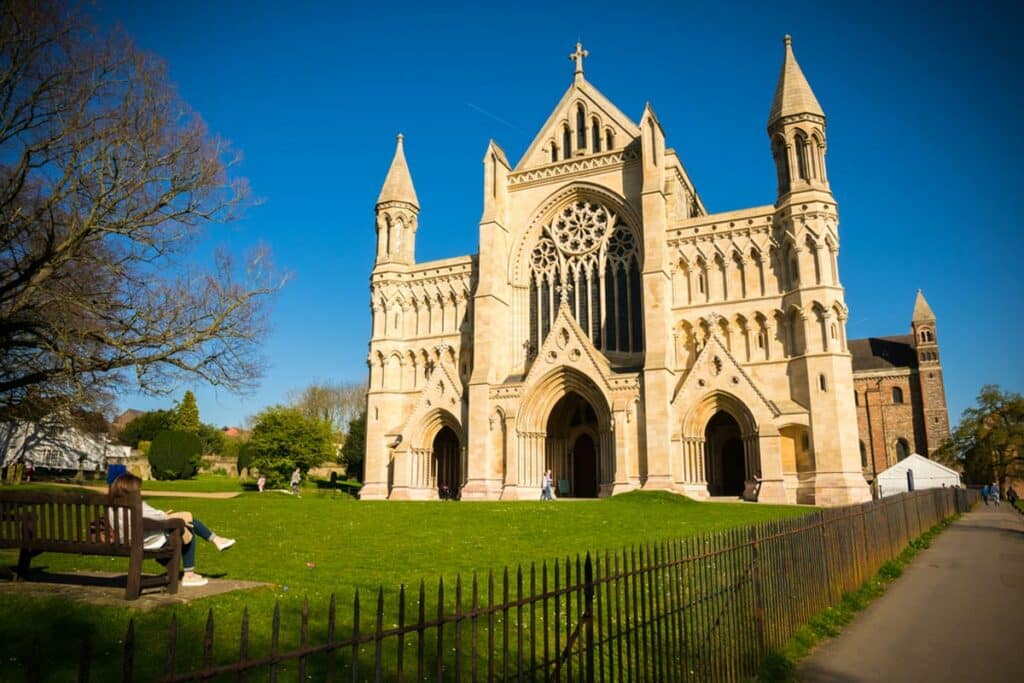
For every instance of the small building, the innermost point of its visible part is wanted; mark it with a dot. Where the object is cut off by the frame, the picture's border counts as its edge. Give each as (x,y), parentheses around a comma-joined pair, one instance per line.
(54,446)
(927,474)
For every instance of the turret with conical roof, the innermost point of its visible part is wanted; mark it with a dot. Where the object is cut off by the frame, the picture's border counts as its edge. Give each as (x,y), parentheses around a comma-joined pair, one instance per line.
(796,127)
(922,311)
(397,212)
(926,340)
(929,370)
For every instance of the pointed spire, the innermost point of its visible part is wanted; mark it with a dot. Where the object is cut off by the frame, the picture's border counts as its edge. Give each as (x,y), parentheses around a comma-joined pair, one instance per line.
(398,185)
(922,311)
(793,95)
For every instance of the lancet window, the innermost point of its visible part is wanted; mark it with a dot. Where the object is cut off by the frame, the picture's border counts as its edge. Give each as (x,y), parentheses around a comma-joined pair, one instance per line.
(586,255)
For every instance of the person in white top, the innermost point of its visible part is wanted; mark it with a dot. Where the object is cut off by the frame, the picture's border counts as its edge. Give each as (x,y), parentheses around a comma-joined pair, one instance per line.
(545,492)
(129,483)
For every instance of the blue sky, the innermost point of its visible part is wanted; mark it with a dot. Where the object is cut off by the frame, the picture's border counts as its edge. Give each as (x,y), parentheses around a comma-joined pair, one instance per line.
(924,143)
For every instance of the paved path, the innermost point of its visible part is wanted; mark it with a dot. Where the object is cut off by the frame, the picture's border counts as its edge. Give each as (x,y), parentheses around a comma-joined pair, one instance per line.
(168,494)
(956,614)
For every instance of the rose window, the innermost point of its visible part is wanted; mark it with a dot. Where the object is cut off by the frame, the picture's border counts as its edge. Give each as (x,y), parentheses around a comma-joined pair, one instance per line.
(579,228)
(588,258)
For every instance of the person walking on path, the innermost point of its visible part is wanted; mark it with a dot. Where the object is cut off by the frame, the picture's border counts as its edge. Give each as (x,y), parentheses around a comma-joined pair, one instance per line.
(129,483)
(545,491)
(984,493)
(993,493)
(296,480)
(261,482)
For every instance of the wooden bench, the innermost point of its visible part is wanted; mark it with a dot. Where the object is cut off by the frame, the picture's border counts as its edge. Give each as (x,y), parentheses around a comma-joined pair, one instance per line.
(37,522)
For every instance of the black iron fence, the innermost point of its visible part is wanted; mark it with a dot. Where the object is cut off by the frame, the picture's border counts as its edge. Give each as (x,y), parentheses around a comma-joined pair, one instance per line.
(701,608)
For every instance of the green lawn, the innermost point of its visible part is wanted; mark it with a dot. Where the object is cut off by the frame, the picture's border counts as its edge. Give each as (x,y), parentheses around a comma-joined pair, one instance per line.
(206,483)
(320,544)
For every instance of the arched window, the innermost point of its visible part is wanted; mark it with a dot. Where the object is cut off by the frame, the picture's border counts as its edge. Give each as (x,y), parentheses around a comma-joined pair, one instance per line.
(700,282)
(822,383)
(902,449)
(897,395)
(554,151)
(781,163)
(581,128)
(856,399)
(595,135)
(801,156)
(609,139)
(566,142)
(926,336)
(863,455)
(592,259)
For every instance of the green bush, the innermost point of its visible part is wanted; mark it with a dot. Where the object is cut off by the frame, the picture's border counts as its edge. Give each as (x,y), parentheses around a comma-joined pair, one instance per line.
(245,454)
(175,455)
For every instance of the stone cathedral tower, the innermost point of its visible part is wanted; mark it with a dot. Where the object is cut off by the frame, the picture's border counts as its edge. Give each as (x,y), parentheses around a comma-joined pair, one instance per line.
(613,331)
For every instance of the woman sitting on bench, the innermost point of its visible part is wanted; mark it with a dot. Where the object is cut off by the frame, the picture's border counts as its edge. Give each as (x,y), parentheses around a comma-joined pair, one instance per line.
(129,483)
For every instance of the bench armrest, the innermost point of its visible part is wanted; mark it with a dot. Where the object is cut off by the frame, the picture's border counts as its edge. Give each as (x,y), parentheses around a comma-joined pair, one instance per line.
(163,524)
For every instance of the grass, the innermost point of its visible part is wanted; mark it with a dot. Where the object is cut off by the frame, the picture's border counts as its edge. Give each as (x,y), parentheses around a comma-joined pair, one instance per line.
(781,666)
(202,483)
(317,545)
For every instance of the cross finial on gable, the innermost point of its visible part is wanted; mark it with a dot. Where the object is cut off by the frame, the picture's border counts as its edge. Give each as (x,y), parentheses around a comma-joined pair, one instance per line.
(578,57)
(563,292)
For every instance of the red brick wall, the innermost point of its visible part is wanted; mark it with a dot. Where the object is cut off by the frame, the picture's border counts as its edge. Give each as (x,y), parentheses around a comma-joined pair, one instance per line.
(881,421)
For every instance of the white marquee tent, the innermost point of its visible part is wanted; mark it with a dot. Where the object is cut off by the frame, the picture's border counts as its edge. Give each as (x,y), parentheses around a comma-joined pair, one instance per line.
(927,474)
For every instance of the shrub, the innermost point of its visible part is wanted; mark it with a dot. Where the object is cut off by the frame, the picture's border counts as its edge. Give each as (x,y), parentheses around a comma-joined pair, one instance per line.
(244,457)
(284,439)
(144,447)
(175,455)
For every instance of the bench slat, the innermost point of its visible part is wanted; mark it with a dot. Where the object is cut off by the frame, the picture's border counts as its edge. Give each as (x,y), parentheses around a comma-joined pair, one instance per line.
(43,521)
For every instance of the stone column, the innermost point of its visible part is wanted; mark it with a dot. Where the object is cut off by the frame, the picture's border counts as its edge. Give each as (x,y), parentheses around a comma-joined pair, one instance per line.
(772,488)
(694,478)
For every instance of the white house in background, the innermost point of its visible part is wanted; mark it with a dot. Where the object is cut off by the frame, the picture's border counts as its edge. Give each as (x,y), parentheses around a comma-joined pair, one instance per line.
(927,474)
(55,447)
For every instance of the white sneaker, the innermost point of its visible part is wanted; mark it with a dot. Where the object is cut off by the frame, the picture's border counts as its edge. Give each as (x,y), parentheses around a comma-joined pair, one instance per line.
(223,543)
(192,580)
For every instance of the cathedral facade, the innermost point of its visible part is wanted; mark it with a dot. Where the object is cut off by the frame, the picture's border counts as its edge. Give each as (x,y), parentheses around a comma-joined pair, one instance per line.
(613,331)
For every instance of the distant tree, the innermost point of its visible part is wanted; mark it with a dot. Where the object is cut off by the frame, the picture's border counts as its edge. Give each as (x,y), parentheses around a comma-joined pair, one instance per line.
(336,403)
(90,422)
(186,418)
(174,455)
(107,179)
(212,439)
(283,439)
(988,444)
(353,452)
(146,426)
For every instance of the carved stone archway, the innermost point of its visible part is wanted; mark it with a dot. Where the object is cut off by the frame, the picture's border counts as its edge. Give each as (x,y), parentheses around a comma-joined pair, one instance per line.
(537,451)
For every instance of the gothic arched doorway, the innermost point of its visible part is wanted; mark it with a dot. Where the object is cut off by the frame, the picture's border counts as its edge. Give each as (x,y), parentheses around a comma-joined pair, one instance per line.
(584,467)
(448,463)
(726,466)
(572,452)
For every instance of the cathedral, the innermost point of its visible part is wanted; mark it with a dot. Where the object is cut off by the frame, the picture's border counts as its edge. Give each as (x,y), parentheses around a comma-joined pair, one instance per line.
(611,330)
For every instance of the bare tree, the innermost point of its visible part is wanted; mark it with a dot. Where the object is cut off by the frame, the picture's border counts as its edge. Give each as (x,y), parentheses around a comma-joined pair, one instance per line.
(106,179)
(336,403)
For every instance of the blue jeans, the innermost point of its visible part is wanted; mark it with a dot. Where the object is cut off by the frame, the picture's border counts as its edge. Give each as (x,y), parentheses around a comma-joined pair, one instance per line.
(188,552)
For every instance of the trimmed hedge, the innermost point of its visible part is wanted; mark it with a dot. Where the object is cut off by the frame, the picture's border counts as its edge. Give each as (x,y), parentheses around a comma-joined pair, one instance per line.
(175,455)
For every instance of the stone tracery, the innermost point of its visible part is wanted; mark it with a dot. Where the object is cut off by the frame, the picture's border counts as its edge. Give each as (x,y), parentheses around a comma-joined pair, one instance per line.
(588,253)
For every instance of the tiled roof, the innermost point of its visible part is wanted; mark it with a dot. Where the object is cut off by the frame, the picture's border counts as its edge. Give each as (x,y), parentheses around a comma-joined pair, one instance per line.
(883,353)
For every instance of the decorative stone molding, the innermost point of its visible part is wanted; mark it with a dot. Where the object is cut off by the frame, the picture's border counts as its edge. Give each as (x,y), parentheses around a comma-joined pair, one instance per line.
(597,163)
